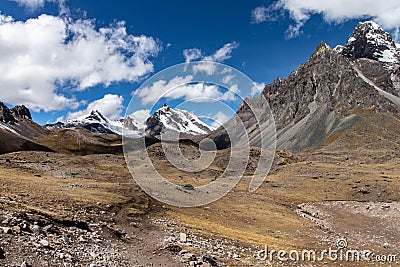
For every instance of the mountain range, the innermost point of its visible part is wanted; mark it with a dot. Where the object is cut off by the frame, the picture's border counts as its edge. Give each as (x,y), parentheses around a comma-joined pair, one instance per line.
(326,96)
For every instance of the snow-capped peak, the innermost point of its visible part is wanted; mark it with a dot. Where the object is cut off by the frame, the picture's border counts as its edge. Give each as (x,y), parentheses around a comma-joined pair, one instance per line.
(97,122)
(369,40)
(167,118)
(94,116)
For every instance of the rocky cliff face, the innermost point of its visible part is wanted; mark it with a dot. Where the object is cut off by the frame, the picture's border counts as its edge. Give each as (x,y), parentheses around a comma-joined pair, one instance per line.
(22,112)
(375,54)
(6,115)
(327,78)
(371,41)
(130,124)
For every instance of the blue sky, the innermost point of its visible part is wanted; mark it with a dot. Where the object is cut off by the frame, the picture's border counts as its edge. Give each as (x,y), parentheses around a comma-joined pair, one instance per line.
(263,39)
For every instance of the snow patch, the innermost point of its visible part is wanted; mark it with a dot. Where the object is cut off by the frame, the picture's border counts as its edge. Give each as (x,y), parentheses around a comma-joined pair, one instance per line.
(7,128)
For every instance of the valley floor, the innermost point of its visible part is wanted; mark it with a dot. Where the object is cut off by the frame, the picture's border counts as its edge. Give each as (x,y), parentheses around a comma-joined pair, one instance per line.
(64,210)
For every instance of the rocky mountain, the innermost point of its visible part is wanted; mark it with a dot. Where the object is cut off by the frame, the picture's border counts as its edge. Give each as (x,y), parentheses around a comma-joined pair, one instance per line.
(164,118)
(334,90)
(375,54)
(17,130)
(98,123)
(371,41)
(167,118)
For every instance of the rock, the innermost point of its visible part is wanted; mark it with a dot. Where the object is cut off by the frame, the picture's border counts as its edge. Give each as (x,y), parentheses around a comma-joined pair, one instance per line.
(16,229)
(188,257)
(188,187)
(284,161)
(47,227)
(20,111)
(25,264)
(36,229)
(93,255)
(170,239)
(7,230)
(37,175)
(183,251)
(44,243)
(182,237)
(6,115)
(364,191)
(210,260)
(2,254)
(175,249)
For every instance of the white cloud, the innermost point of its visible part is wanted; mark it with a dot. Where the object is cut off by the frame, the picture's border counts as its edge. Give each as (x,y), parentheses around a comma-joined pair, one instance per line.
(151,94)
(182,88)
(219,119)
(40,55)
(110,106)
(386,13)
(192,54)
(200,92)
(227,79)
(223,53)
(36,4)
(220,55)
(60,119)
(31,4)
(204,66)
(140,115)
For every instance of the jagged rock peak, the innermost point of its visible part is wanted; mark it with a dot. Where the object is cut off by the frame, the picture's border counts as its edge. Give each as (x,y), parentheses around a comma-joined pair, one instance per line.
(323,50)
(6,115)
(369,40)
(21,111)
(96,115)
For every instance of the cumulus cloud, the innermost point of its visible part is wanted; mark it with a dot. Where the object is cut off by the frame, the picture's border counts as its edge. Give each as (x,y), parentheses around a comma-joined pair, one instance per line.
(182,88)
(384,13)
(36,4)
(219,119)
(31,4)
(140,115)
(223,53)
(42,56)
(192,54)
(227,79)
(152,93)
(110,106)
(204,66)
(220,55)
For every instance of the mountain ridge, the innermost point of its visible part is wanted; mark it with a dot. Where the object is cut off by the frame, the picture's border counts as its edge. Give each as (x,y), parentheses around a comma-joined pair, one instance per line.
(326,95)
